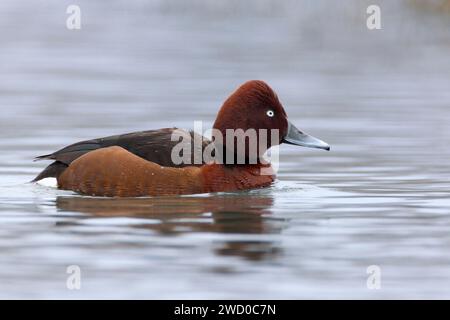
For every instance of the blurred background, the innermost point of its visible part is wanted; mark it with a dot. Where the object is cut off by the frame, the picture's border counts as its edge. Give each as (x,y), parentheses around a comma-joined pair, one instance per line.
(381,98)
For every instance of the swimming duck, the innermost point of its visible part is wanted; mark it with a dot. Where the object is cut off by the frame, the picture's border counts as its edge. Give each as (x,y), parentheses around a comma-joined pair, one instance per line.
(142,163)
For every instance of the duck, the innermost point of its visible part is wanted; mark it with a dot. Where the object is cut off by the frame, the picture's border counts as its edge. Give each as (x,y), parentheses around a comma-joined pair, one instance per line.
(142,164)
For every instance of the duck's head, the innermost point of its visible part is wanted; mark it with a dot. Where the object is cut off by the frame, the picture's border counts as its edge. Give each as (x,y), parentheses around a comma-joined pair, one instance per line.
(254,105)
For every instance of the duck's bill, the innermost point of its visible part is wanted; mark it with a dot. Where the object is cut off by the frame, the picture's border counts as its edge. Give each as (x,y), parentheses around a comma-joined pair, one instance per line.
(296,137)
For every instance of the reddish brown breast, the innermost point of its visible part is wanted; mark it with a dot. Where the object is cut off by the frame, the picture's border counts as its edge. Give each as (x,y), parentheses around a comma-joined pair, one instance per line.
(115,172)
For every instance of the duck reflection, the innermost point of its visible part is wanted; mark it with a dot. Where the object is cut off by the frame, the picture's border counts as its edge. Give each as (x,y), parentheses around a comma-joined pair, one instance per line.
(242,214)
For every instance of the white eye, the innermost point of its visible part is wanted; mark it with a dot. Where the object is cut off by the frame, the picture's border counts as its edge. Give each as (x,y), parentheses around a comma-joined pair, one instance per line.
(270,113)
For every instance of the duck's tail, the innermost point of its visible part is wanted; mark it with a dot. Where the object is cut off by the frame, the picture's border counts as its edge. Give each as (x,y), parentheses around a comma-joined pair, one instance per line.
(54,170)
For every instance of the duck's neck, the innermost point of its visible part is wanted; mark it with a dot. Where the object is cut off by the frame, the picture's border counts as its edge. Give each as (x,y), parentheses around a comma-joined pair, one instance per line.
(232,158)
(219,178)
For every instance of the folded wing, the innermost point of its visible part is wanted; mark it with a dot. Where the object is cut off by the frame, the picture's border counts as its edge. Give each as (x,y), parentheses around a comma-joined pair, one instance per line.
(152,145)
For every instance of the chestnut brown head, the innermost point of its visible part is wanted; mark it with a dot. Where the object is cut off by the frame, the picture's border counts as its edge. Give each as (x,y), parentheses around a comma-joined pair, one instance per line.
(254,105)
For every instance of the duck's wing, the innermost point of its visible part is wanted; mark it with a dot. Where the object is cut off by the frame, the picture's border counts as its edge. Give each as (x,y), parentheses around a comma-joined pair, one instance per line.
(152,145)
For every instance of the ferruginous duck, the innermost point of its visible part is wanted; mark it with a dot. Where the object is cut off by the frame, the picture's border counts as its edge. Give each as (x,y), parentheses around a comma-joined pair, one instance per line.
(143,164)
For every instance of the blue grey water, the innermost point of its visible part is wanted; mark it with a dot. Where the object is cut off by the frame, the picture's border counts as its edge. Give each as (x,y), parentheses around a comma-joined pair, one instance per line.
(381,98)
